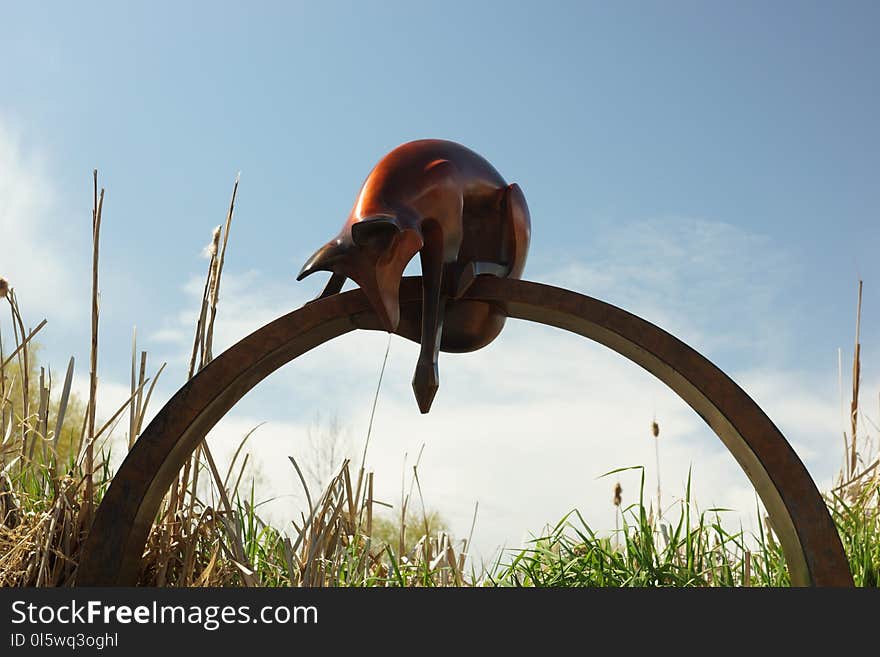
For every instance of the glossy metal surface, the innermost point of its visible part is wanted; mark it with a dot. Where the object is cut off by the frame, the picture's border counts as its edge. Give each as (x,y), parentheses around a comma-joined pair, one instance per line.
(444,202)
(808,536)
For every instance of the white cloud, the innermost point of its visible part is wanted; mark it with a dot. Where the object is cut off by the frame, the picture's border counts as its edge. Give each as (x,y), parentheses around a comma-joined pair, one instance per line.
(32,253)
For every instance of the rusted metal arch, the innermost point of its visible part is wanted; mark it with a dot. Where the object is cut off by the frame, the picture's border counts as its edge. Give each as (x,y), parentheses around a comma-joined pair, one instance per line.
(113,550)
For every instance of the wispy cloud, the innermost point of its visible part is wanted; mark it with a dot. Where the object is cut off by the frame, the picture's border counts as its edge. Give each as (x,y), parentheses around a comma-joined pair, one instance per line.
(32,253)
(719,287)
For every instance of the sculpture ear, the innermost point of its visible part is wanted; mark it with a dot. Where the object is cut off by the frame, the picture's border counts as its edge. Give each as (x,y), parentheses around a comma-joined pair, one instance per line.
(376,230)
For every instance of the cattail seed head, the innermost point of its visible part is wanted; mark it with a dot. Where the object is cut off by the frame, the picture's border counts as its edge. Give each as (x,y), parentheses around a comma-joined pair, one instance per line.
(211,250)
(655,429)
(4,287)
(618,494)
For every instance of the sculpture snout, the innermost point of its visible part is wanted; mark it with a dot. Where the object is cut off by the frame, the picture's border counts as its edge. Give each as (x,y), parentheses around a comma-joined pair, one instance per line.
(321,260)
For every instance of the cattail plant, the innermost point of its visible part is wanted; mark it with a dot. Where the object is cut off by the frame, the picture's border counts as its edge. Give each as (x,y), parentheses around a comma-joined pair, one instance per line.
(655,431)
(618,499)
(97,208)
(854,404)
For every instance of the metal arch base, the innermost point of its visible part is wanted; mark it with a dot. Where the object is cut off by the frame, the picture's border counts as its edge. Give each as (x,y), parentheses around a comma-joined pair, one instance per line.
(112,552)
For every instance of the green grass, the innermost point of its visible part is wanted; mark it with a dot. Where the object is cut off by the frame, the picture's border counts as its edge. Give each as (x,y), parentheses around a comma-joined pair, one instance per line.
(692,550)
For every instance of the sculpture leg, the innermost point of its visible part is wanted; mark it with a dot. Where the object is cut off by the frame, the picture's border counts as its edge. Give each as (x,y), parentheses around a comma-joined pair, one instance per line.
(518,229)
(334,286)
(469,272)
(426,380)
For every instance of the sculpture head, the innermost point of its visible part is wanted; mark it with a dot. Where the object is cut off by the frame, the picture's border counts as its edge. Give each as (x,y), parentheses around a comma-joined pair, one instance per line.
(373,252)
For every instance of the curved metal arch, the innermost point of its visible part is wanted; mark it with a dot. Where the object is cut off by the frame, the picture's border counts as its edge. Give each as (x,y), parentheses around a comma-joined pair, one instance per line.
(812,547)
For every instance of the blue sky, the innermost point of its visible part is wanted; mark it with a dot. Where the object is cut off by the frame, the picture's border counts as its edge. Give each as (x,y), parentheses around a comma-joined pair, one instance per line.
(711,167)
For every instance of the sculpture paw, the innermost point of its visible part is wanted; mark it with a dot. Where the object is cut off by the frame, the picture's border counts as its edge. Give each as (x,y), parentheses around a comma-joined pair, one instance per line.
(425,383)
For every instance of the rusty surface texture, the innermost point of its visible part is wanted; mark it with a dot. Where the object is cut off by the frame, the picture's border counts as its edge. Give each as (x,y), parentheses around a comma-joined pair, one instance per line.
(808,536)
(442,201)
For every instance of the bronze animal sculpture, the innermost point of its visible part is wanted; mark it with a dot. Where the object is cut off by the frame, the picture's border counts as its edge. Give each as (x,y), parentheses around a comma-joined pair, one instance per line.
(448,204)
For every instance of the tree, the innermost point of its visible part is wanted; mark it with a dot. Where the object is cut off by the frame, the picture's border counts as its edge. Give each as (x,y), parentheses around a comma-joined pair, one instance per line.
(38,426)
(327,446)
(386,529)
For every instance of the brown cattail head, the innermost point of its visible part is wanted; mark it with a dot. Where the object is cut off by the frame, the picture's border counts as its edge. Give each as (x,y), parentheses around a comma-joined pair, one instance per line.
(655,429)
(618,493)
(4,287)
